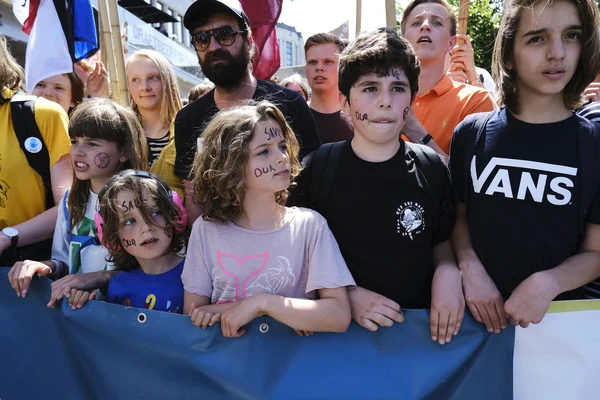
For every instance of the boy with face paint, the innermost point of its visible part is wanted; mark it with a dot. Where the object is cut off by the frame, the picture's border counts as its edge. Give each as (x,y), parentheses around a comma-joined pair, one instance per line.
(393,230)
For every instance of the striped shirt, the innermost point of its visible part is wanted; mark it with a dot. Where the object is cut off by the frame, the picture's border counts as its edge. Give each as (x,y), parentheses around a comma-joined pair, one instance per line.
(590,111)
(155,146)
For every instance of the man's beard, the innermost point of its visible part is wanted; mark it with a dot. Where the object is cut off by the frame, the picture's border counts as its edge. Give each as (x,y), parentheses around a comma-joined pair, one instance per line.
(228,74)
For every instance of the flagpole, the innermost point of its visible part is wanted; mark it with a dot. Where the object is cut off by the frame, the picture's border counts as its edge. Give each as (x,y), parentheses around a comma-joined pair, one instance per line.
(390,13)
(118,53)
(358,15)
(463,18)
(107,47)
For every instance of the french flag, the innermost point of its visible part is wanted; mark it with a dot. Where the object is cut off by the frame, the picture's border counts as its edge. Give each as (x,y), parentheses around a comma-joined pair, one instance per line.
(61,32)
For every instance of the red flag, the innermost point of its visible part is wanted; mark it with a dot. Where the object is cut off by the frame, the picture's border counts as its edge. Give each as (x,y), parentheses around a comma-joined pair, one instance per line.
(26,13)
(263,16)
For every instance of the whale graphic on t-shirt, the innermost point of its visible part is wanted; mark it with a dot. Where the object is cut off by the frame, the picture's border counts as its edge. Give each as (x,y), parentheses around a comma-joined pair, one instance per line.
(241,269)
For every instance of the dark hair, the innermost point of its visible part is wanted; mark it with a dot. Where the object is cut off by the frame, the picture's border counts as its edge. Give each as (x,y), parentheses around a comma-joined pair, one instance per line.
(324,38)
(378,52)
(77,89)
(588,66)
(103,119)
(411,6)
(111,212)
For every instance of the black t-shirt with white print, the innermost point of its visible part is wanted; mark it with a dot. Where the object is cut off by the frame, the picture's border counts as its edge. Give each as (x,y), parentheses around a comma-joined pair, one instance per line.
(522,192)
(385,223)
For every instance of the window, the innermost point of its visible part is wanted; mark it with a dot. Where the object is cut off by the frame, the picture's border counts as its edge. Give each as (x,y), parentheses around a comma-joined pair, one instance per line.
(288,54)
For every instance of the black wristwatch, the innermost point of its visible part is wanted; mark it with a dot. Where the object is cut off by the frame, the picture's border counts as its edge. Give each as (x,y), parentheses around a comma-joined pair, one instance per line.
(12,234)
(426,139)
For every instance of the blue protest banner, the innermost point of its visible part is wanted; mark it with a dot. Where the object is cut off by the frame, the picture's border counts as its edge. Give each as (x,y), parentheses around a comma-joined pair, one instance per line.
(106,351)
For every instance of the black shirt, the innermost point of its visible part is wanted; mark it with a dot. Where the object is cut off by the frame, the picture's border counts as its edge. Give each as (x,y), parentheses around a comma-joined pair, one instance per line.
(333,127)
(522,192)
(385,223)
(193,118)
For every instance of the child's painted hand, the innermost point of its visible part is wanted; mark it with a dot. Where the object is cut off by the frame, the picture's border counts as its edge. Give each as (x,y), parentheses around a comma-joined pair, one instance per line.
(203,319)
(303,333)
(78,298)
(240,314)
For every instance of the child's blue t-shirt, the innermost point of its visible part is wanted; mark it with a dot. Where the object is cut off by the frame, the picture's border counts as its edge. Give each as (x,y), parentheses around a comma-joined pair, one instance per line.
(135,288)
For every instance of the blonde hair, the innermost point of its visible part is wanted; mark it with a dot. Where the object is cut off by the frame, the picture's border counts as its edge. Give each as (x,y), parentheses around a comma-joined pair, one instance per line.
(11,73)
(219,169)
(298,80)
(200,90)
(171,102)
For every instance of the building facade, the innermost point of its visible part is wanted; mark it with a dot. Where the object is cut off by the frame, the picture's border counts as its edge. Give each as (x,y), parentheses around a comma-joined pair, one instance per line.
(145,24)
(291,46)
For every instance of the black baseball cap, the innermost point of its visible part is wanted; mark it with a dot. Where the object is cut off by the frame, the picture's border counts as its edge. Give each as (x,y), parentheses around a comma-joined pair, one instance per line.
(205,8)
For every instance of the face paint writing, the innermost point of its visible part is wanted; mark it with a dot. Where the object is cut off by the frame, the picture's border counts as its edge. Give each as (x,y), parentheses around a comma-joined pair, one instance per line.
(264,170)
(102,160)
(128,206)
(169,231)
(395,74)
(405,113)
(128,243)
(273,133)
(361,117)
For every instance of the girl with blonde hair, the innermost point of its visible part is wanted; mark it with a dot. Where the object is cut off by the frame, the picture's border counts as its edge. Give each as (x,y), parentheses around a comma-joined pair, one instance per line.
(154,96)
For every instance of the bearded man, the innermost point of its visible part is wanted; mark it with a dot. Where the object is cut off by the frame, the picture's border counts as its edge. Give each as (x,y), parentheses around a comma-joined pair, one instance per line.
(223,41)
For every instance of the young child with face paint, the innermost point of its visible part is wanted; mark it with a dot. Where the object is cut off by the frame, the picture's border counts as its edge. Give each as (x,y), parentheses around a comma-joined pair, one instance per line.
(105,139)
(249,255)
(143,224)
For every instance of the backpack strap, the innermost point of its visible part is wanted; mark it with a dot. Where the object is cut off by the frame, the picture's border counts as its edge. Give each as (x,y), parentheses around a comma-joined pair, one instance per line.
(480,122)
(428,167)
(324,164)
(478,125)
(31,141)
(67,216)
(589,166)
(84,240)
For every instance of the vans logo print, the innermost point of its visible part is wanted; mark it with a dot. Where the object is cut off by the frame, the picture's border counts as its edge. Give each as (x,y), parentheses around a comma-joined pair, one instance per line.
(410,219)
(556,192)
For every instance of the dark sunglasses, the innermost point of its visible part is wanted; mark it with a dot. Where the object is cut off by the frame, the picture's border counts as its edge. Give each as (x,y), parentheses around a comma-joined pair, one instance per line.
(225,36)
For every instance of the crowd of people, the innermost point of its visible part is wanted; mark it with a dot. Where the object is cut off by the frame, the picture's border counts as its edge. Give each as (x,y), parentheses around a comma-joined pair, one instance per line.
(394,177)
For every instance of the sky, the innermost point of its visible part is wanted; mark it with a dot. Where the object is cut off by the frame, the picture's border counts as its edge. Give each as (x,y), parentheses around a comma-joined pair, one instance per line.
(314,16)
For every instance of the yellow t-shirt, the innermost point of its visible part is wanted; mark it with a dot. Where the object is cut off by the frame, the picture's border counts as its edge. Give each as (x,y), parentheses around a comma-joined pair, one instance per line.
(164,166)
(22,193)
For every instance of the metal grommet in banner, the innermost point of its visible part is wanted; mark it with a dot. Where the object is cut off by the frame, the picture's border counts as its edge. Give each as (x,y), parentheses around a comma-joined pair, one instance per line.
(142,318)
(264,327)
